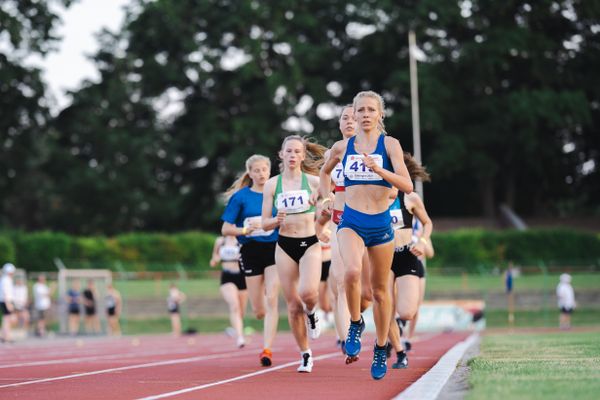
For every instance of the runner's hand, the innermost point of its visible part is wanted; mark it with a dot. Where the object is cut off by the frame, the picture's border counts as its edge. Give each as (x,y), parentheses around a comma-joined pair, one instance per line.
(370,163)
(418,249)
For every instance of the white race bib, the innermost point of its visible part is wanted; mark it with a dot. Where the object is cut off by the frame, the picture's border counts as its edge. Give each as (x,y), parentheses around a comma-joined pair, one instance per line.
(229,253)
(356,170)
(337,175)
(293,201)
(256,221)
(397,219)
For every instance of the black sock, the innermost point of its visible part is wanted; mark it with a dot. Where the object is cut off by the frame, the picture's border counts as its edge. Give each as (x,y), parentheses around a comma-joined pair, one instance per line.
(378,347)
(400,354)
(357,322)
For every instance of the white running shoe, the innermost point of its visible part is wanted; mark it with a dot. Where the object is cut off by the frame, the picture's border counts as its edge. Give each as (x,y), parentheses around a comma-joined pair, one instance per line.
(314,326)
(306,364)
(241,342)
(229,331)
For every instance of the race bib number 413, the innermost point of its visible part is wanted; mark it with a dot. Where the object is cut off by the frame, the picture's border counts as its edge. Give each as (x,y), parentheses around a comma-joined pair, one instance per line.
(356,170)
(293,201)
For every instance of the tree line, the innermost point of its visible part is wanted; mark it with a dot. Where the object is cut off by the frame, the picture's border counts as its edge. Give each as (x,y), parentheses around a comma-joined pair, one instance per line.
(509,99)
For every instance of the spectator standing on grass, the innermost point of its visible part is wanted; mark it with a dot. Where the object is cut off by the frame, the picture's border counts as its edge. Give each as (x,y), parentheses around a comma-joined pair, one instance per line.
(508,283)
(113,303)
(6,301)
(176,297)
(90,296)
(21,303)
(41,304)
(566,300)
(73,307)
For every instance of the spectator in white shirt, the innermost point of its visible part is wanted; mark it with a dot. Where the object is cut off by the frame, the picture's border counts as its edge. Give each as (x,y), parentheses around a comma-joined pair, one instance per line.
(21,303)
(41,303)
(566,300)
(6,300)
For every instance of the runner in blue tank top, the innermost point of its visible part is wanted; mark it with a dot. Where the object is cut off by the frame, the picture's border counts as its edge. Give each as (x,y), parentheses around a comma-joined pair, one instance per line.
(242,219)
(373,163)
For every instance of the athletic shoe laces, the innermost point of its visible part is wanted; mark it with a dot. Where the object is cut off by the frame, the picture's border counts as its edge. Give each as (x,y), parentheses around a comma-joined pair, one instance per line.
(379,358)
(305,358)
(354,332)
(312,320)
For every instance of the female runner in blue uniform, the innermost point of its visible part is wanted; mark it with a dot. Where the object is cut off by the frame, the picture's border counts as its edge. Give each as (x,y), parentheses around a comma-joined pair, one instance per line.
(334,210)
(298,253)
(373,163)
(242,219)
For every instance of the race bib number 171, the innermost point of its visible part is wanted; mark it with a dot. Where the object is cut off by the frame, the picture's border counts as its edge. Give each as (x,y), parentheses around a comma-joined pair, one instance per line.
(293,201)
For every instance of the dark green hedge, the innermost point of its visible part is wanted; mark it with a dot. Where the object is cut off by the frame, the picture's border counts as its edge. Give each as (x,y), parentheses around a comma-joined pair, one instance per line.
(473,249)
(7,250)
(467,249)
(133,252)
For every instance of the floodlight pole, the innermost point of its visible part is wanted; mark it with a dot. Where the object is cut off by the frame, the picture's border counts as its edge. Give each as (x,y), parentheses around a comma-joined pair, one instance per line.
(414,105)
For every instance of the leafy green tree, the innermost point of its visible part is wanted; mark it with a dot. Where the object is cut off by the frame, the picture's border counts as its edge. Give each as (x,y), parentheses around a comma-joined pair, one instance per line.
(25,29)
(190,89)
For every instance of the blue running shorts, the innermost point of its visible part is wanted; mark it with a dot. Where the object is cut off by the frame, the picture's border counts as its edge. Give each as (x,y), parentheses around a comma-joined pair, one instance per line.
(374,229)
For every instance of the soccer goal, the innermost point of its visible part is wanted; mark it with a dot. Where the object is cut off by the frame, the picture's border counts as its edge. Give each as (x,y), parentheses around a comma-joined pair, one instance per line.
(83,282)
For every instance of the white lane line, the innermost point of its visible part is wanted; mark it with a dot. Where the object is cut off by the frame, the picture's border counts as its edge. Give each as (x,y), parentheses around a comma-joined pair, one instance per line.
(138,366)
(91,349)
(237,378)
(107,357)
(429,386)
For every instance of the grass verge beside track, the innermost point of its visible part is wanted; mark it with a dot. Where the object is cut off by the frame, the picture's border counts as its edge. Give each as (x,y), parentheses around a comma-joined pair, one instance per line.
(435,283)
(537,366)
(494,319)
(541,318)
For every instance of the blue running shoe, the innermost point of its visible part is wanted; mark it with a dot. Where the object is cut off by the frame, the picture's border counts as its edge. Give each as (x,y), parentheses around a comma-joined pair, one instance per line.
(379,365)
(402,361)
(353,339)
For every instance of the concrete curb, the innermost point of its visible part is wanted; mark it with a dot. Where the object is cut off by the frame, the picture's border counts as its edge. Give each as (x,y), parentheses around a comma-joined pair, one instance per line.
(429,386)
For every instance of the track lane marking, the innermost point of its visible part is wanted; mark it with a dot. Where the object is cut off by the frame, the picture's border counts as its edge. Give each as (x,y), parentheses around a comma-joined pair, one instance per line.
(100,357)
(130,367)
(237,378)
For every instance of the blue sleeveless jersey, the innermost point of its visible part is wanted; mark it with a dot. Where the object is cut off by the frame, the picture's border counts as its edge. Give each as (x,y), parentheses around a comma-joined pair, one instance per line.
(380,150)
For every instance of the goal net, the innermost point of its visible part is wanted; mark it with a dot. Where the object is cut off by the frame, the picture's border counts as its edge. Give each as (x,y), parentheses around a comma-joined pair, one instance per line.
(72,281)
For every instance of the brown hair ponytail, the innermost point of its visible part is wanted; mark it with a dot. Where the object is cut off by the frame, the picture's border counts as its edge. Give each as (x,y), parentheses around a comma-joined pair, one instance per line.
(415,170)
(315,154)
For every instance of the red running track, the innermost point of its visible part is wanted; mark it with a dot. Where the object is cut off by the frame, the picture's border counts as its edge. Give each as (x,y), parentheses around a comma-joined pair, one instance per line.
(201,367)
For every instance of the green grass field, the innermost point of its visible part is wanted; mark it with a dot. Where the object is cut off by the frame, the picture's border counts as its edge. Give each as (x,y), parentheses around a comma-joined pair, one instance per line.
(137,289)
(435,283)
(537,366)
(200,325)
(486,283)
(494,319)
(542,318)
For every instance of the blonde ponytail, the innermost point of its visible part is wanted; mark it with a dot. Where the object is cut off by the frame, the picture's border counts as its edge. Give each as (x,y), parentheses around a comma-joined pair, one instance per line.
(244,179)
